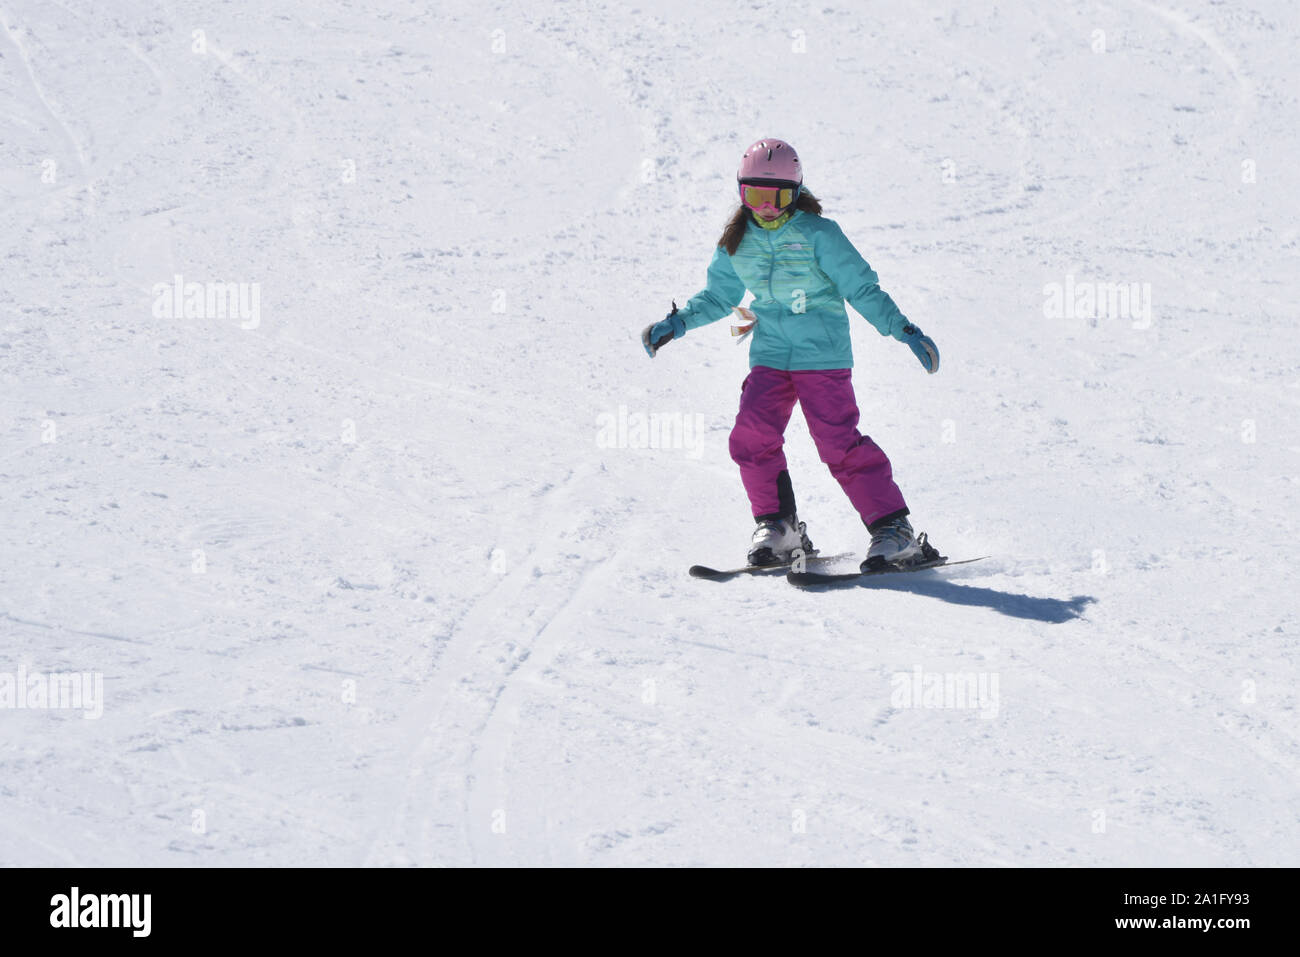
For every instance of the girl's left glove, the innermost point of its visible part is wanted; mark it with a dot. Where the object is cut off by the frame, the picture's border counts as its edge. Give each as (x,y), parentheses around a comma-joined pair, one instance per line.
(672,326)
(922,347)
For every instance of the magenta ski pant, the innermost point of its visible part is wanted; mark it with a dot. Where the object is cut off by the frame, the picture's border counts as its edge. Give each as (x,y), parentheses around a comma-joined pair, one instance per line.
(767,398)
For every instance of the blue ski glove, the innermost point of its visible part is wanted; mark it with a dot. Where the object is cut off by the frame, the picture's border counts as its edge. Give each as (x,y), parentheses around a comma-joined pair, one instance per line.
(922,347)
(670,327)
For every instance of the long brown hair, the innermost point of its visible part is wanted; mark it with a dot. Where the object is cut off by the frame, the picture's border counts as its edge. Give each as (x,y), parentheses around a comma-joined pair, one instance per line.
(735,230)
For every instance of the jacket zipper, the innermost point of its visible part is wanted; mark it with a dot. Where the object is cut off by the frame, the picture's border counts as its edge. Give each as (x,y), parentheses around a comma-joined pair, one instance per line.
(769,265)
(771,268)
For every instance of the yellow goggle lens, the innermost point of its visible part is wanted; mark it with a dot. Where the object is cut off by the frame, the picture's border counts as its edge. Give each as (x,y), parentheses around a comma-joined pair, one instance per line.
(761,195)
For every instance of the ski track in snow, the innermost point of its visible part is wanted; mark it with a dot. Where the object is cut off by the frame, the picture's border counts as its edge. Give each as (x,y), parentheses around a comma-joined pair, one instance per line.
(465,635)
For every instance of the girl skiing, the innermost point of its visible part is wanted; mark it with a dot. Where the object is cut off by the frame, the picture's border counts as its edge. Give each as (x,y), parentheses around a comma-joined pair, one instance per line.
(800,268)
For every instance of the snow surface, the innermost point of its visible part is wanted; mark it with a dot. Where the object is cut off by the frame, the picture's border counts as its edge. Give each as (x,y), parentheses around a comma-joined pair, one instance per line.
(467,635)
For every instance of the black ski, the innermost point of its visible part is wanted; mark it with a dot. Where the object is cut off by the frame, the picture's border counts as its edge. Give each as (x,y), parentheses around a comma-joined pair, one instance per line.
(814,578)
(928,558)
(722,574)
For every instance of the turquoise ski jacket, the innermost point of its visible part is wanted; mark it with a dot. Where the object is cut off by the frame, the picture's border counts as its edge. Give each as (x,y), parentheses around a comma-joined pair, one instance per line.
(800,275)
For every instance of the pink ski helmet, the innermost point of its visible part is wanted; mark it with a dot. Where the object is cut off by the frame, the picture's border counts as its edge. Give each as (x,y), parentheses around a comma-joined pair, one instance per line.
(770,163)
(770,159)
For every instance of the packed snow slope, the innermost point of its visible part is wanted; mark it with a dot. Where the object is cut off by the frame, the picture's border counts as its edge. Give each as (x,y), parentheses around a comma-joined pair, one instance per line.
(380,572)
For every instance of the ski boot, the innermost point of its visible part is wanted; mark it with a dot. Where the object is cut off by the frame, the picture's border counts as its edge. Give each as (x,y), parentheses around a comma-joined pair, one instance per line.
(775,540)
(894,543)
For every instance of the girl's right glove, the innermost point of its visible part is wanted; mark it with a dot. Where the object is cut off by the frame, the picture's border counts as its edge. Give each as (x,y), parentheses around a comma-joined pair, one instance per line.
(922,347)
(671,327)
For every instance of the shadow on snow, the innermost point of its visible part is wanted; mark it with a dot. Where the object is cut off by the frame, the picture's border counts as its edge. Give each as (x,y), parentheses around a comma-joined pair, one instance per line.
(1051,610)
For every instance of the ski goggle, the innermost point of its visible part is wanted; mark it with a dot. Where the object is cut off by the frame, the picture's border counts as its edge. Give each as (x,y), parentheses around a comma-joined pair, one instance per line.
(758,195)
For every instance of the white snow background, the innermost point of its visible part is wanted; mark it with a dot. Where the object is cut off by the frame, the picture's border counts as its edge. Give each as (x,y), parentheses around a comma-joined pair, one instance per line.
(366,582)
